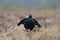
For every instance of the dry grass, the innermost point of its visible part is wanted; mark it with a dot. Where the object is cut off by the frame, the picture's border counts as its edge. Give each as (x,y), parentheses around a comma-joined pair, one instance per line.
(10,31)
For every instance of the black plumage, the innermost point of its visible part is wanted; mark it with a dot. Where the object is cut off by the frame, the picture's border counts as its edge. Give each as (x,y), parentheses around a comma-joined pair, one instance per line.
(29,23)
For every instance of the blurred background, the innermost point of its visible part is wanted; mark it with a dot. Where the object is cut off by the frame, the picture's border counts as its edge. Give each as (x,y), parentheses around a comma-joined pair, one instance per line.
(46,12)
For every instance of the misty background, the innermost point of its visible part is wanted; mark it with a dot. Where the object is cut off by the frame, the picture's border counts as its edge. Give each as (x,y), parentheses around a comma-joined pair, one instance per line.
(35,4)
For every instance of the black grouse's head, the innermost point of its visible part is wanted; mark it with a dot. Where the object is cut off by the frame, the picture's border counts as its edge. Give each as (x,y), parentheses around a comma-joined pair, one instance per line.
(30,16)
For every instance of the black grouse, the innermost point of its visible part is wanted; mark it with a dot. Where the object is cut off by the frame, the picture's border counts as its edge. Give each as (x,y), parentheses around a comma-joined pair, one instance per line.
(29,23)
